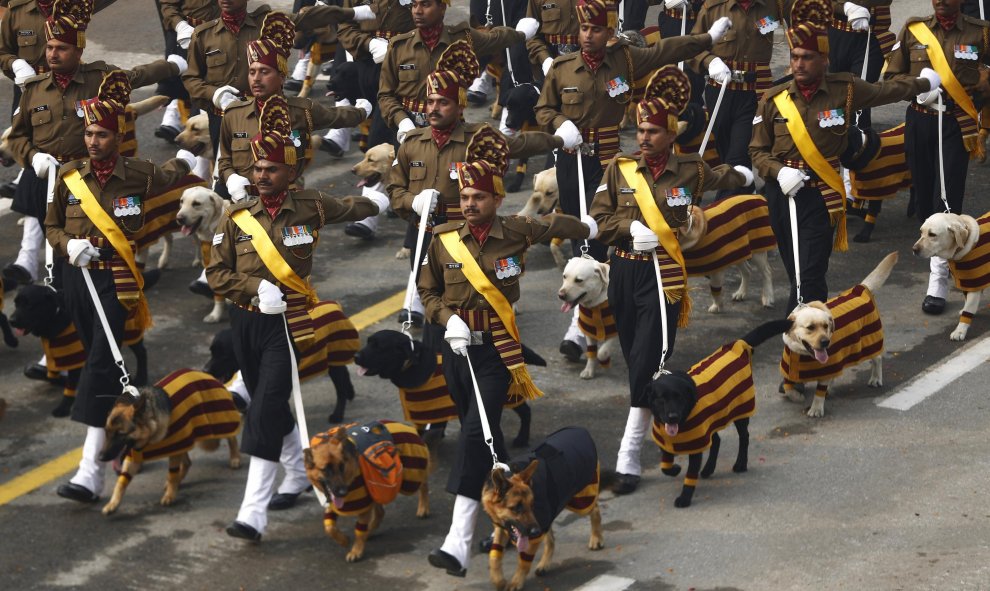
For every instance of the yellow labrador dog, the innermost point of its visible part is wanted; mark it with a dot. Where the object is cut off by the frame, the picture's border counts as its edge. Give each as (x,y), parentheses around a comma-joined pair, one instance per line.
(195,136)
(200,210)
(543,200)
(963,241)
(585,285)
(371,170)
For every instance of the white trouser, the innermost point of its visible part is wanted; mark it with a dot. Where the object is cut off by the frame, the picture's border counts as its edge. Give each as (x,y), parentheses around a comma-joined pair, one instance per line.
(458,540)
(257,493)
(341,136)
(32,241)
(632,441)
(91,469)
(292,460)
(238,387)
(299,72)
(370,222)
(574,333)
(938,280)
(484,83)
(202,278)
(203,168)
(171,118)
(502,127)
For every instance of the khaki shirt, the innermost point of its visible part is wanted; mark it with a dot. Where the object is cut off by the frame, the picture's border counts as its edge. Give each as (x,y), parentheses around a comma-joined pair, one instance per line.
(194,12)
(421,165)
(218,58)
(743,42)
(240,123)
(391,19)
(909,55)
(443,287)
(573,92)
(131,177)
(557,17)
(48,120)
(409,61)
(236,269)
(614,206)
(772,143)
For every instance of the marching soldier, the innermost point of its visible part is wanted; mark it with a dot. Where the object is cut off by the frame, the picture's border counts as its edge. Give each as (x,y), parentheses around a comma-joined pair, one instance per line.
(261,260)
(799,131)
(95,218)
(558,33)
(639,208)
(469,281)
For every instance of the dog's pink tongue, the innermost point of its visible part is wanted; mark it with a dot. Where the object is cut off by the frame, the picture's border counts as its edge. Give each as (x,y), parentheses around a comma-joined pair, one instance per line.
(337,502)
(20,332)
(566,307)
(522,542)
(671,428)
(821,355)
(185,230)
(361,183)
(361,370)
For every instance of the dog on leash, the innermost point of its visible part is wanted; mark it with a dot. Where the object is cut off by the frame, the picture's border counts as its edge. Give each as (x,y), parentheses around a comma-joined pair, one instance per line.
(963,241)
(560,473)
(361,468)
(690,408)
(184,409)
(200,210)
(585,285)
(372,171)
(543,200)
(195,136)
(826,338)
(734,231)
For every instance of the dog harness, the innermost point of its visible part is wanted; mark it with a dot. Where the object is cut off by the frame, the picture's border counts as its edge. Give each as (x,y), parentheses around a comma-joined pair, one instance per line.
(972,272)
(726,394)
(430,402)
(201,409)
(597,324)
(858,336)
(738,228)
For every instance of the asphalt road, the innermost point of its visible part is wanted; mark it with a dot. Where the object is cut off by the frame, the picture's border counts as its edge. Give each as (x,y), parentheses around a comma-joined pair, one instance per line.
(868,497)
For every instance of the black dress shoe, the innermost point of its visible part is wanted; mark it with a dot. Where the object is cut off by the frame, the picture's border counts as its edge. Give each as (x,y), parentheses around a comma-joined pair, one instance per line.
(625,484)
(441,559)
(239,529)
(16,273)
(331,147)
(359,231)
(283,501)
(933,305)
(200,288)
(8,189)
(75,492)
(36,371)
(417,318)
(292,85)
(167,133)
(477,98)
(571,350)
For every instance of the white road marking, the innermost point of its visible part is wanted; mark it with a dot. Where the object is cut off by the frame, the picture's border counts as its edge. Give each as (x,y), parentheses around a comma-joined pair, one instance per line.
(607,583)
(938,377)
(5,206)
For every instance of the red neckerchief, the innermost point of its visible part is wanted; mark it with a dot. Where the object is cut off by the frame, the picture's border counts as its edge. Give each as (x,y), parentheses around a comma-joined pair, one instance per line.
(657,165)
(259,104)
(808,91)
(431,35)
(233,21)
(45,6)
(593,61)
(480,233)
(442,136)
(273,204)
(63,79)
(102,169)
(744,4)
(947,22)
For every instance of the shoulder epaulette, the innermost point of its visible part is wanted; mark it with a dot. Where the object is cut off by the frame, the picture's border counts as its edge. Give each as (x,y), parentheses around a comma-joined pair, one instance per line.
(417,132)
(974,20)
(448,227)
(459,27)
(299,101)
(240,205)
(402,37)
(100,65)
(37,77)
(140,165)
(843,77)
(917,19)
(70,166)
(16,3)
(308,194)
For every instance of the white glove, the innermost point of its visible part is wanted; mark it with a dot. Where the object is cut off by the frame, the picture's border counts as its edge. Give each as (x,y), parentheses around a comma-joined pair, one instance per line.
(22,71)
(791,180)
(40,163)
(719,29)
(528,26)
(183,34)
(363,13)
(405,126)
(674,4)
(458,335)
(379,198)
(643,237)
(223,96)
(270,298)
(179,62)
(425,201)
(547,63)
(570,134)
(718,71)
(237,187)
(858,16)
(589,221)
(364,104)
(378,48)
(927,98)
(187,157)
(746,172)
(81,252)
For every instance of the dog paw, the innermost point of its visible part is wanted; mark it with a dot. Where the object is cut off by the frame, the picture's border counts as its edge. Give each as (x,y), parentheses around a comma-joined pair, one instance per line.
(514,585)
(402,254)
(714,309)
(235,463)
(596,543)
(959,334)
(706,473)
(682,502)
(167,499)
(212,318)
(354,556)
(817,409)
(738,296)
(588,373)
(335,417)
(672,471)
(422,513)
(740,467)
(793,395)
(875,383)
(111,507)
(767,302)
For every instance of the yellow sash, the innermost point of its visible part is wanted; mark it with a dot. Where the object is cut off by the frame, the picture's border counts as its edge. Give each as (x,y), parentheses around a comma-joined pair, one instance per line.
(270,256)
(805,145)
(96,214)
(935,55)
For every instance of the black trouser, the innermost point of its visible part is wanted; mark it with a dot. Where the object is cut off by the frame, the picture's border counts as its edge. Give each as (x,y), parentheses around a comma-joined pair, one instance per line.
(31,195)
(567,189)
(733,128)
(369,74)
(921,147)
(262,353)
(99,383)
(671,27)
(473,462)
(16,101)
(635,301)
(846,53)
(634,17)
(815,234)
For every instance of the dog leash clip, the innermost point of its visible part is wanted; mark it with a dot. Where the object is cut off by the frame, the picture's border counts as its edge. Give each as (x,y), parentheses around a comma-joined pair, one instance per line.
(131,391)
(500,466)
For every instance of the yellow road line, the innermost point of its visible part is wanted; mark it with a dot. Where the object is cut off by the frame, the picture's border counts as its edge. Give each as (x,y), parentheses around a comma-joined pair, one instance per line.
(63,464)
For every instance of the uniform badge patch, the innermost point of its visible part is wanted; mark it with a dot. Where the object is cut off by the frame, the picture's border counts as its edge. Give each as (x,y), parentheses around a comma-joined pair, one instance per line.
(507,267)
(73,200)
(240,135)
(617,86)
(767,24)
(217,238)
(678,197)
(297,235)
(452,169)
(244,238)
(124,206)
(296,136)
(453,265)
(758,119)
(966,52)
(831,118)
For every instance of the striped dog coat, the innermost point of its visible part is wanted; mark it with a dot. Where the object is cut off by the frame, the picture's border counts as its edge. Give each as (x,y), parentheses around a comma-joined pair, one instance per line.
(598,325)
(738,227)
(335,341)
(972,272)
(429,402)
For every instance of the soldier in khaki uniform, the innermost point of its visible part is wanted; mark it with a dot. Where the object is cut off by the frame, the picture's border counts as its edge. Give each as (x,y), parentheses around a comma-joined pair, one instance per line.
(483,248)
(642,202)
(413,55)
(48,128)
(825,103)
(559,27)
(257,240)
(95,218)
(964,42)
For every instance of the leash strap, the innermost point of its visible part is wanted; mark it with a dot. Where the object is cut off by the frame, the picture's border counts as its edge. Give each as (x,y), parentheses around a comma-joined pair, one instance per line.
(680,64)
(118,359)
(417,262)
(941,155)
(485,427)
(582,204)
(663,316)
(792,210)
(718,103)
(49,251)
(508,56)
(866,64)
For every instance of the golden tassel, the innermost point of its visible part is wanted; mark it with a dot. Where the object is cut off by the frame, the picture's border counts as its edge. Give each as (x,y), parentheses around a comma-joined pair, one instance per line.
(841,242)
(684,317)
(522,385)
(143,315)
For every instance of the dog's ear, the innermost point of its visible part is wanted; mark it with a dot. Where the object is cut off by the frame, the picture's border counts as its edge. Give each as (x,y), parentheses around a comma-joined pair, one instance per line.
(602,269)
(308,459)
(959,232)
(391,153)
(820,306)
(499,482)
(527,474)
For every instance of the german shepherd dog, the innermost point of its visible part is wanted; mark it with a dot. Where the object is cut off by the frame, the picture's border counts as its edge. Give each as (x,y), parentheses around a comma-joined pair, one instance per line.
(183,409)
(560,473)
(334,466)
